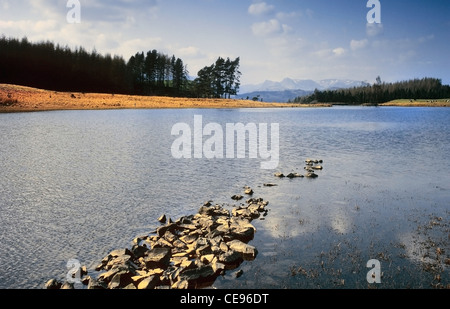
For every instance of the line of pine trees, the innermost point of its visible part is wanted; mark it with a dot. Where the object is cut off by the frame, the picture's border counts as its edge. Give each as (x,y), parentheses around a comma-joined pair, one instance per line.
(44,65)
(49,66)
(381,92)
(155,73)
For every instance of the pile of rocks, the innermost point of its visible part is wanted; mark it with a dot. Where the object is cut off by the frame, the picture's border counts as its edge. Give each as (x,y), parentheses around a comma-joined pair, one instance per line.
(311,167)
(188,253)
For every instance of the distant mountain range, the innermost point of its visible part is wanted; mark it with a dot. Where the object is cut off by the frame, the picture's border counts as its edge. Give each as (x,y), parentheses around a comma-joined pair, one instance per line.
(288,89)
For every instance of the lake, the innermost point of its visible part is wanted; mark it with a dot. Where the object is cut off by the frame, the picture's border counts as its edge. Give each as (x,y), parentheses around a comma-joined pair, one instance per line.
(79,184)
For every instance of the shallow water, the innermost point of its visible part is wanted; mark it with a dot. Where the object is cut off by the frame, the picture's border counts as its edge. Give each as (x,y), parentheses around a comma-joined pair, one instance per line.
(78,184)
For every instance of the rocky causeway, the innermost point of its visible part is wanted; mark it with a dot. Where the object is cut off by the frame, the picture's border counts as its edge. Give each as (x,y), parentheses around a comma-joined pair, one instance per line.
(189,253)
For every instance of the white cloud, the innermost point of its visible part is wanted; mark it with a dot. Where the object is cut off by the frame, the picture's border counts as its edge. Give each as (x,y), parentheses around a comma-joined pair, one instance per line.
(272,26)
(133,46)
(189,51)
(290,15)
(322,53)
(265,28)
(286,28)
(374,29)
(355,44)
(339,51)
(25,25)
(260,8)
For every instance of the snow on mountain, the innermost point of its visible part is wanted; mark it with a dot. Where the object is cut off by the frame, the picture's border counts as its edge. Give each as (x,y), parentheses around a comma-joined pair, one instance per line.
(300,84)
(273,96)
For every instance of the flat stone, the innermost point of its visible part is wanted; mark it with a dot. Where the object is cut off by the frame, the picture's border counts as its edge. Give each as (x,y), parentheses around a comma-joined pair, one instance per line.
(201,273)
(148,283)
(204,250)
(120,280)
(207,259)
(158,258)
(170,237)
(247,250)
(188,264)
(243,233)
(230,257)
(106,277)
(189,239)
(96,285)
(168,227)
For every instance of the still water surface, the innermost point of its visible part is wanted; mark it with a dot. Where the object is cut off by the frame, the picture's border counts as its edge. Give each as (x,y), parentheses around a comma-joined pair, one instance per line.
(78,184)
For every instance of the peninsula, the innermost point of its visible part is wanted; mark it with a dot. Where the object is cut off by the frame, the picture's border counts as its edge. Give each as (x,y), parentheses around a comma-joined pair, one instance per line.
(14,98)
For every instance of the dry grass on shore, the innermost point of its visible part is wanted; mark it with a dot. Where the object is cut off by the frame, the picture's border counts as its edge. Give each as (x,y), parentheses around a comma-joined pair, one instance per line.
(15,98)
(419,103)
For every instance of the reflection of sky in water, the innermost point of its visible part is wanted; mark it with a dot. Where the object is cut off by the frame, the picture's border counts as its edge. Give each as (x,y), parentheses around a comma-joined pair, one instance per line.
(415,247)
(358,126)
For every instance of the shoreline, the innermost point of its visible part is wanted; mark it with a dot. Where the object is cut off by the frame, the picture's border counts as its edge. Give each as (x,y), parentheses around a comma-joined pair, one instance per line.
(14,98)
(418,103)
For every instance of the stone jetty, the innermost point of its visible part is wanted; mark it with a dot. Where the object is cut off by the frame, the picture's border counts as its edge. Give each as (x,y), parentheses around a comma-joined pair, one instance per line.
(188,253)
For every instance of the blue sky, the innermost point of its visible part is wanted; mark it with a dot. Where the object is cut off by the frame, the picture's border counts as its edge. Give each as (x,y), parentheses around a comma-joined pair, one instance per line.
(301,39)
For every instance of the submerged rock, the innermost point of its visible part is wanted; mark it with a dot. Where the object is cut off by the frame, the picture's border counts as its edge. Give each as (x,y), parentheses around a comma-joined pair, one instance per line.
(311,175)
(294,175)
(249,191)
(237,197)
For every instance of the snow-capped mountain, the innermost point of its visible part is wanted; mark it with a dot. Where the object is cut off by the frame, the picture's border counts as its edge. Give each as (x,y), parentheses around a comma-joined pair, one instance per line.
(300,84)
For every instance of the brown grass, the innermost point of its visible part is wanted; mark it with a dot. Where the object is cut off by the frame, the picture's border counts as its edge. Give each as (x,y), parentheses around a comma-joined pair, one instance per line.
(419,103)
(15,98)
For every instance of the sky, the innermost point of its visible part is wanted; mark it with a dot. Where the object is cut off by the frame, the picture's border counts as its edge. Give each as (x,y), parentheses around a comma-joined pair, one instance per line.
(275,39)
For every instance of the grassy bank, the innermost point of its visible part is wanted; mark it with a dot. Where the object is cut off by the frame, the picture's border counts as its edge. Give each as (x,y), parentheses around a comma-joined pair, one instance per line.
(419,103)
(15,98)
